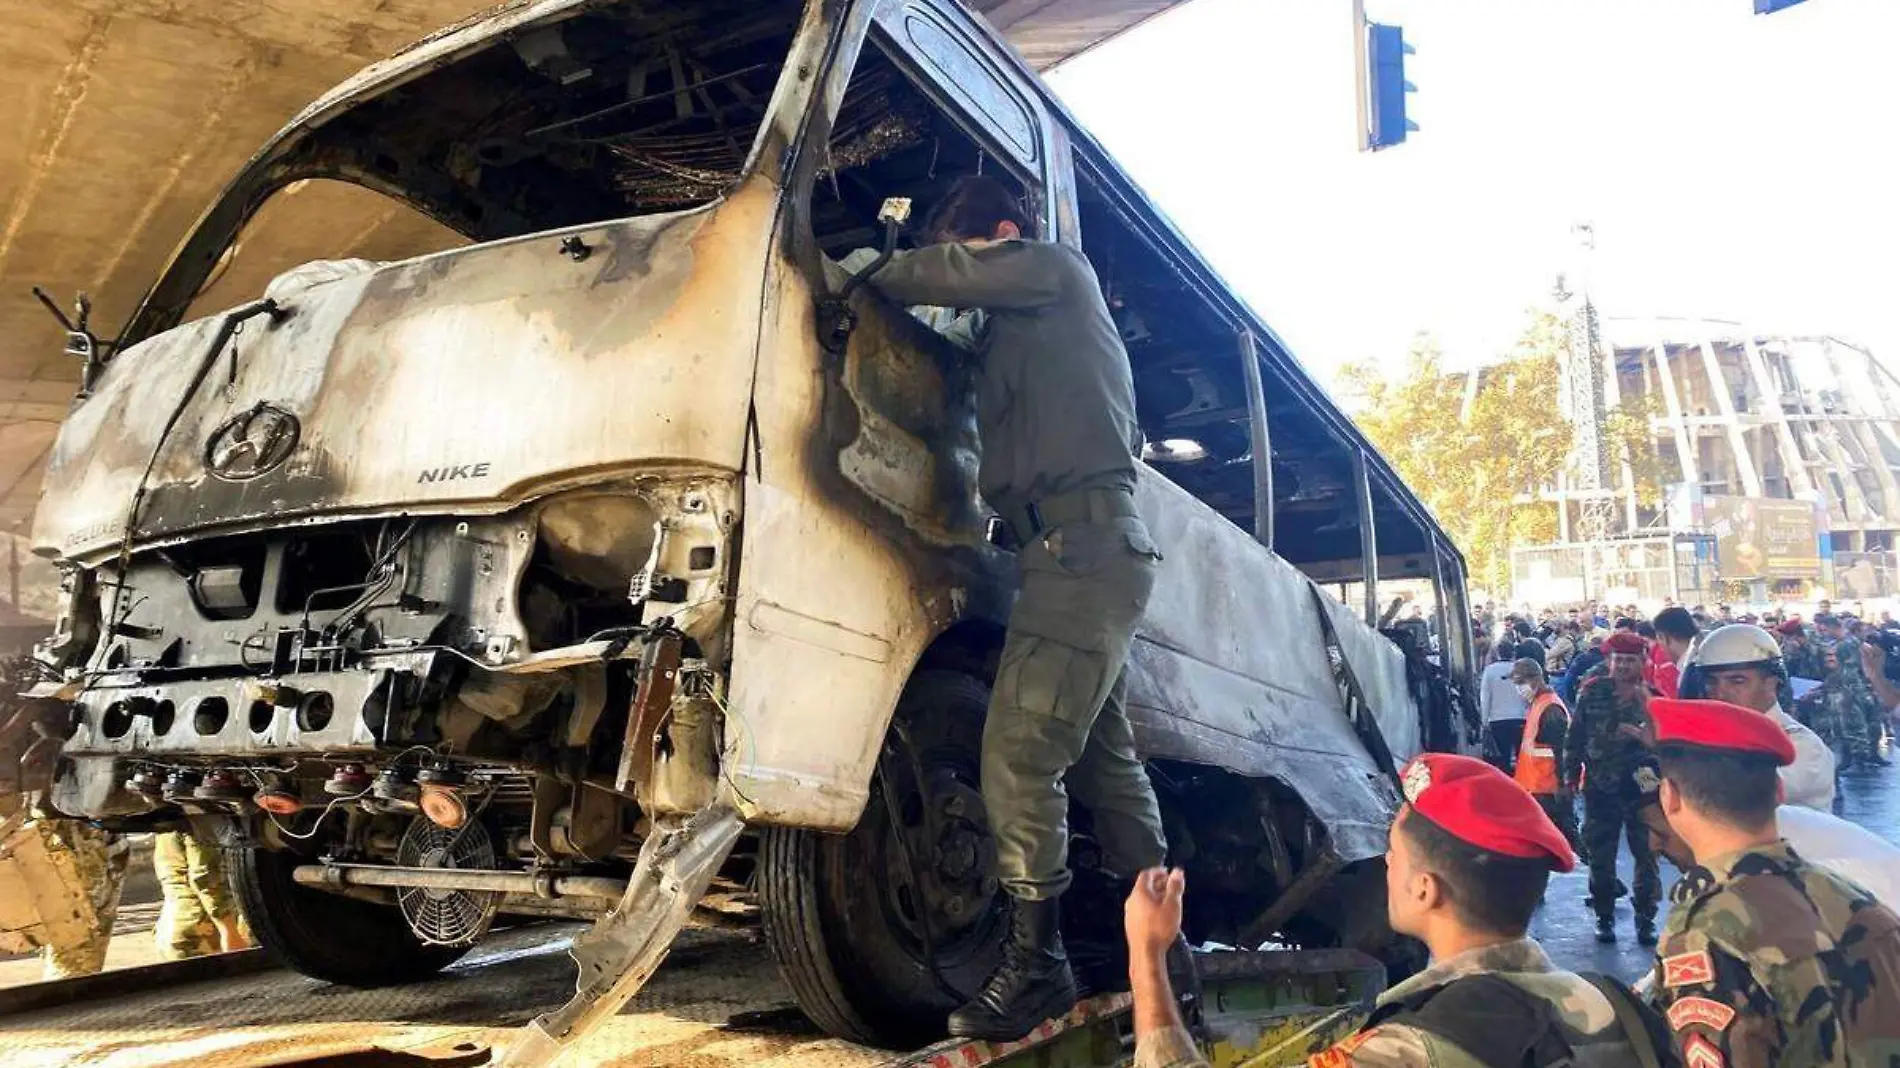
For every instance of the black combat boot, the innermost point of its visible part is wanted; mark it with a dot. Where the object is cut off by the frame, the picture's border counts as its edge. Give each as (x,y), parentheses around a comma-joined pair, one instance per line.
(1645,930)
(1032,984)
(1606,929)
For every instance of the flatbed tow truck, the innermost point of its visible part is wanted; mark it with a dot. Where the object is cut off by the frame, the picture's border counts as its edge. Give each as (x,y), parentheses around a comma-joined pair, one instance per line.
(718,1002)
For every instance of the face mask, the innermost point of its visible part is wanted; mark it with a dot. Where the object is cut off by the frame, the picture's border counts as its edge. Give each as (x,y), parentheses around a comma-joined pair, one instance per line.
(1525,691)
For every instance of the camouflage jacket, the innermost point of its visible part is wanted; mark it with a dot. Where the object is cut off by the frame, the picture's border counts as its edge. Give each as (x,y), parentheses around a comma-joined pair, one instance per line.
(1825,711)
(1594,742)
(1768,961)
(1853,677)
(1583,1016)
(1803,660)
(1847,653)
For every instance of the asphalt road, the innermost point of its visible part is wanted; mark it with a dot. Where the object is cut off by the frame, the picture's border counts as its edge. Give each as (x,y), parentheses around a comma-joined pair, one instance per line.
(1567,928)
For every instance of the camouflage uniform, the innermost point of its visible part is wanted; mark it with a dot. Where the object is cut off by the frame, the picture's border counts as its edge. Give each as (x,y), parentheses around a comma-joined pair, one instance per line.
(1770,960)
(101,860)
(1829,711)
(1583,1017)
(1803,659)
(197,897)
(1867,716)
(1603,759)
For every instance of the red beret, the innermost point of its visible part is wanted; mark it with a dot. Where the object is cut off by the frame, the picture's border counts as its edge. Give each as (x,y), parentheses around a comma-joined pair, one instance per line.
(1627,642)
(1720,725)
(1791,627)
(1481,806)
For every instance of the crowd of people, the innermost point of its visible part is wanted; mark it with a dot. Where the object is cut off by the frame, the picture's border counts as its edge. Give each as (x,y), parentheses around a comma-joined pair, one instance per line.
(1826,684)
(1711,739)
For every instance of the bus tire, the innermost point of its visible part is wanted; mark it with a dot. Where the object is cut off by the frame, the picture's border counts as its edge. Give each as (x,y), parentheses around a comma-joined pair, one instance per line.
(849,917)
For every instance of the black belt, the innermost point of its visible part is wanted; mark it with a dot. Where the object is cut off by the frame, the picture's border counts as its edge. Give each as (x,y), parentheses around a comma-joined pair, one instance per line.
(1078,506)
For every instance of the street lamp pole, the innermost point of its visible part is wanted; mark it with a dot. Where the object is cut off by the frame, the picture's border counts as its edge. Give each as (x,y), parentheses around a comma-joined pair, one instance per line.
(1362,109)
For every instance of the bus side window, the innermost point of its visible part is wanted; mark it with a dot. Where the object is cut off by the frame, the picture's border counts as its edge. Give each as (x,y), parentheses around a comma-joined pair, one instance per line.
(1190,395)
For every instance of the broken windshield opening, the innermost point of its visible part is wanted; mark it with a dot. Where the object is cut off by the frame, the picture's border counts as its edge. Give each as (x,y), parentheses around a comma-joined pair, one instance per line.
(614,112)
(618,111)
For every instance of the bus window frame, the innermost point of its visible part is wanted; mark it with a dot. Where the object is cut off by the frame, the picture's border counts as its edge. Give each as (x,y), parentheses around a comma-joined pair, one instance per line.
(919,69)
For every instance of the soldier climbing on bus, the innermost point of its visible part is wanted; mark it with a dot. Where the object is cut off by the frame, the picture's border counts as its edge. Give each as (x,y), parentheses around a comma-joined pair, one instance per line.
(1056,418)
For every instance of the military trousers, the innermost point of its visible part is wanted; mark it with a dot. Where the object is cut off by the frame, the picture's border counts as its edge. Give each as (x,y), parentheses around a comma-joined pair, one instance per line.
(1057,720)
(191,876)
(1842,724)
(1605,820)
(1841,718)
(1872,727)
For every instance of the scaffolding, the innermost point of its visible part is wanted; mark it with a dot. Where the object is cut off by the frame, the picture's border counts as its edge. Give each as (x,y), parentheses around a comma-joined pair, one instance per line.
(1583,398)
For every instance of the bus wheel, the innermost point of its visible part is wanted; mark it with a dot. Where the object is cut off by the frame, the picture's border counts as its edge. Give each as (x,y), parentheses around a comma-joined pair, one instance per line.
(882,931)
(326,936)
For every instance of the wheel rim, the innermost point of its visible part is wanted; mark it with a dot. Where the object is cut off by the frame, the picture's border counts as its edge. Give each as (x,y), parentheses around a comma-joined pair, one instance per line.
(926,843)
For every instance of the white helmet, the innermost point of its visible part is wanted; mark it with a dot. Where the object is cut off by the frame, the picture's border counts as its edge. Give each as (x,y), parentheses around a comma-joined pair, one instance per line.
(1737,645)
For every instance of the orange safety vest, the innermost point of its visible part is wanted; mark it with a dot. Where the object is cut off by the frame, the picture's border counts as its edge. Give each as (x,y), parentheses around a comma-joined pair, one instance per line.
(1537,764)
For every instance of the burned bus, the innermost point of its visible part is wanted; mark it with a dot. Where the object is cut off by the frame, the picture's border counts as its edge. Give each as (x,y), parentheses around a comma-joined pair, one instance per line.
(560,543)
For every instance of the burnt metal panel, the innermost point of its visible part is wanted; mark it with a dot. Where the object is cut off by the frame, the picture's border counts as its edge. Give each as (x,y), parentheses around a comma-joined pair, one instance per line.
(394,373)
(1234,672)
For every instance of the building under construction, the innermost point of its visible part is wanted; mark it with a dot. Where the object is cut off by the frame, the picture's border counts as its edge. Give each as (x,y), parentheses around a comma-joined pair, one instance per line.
(1777,454)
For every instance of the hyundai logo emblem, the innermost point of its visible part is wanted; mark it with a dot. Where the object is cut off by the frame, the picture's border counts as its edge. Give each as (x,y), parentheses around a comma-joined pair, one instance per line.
(252,443)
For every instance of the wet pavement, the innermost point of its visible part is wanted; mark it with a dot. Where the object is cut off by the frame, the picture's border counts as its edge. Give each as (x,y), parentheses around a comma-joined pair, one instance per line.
(1567,927)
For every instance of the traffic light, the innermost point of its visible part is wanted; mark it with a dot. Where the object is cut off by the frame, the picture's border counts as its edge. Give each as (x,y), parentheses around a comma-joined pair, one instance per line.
(1386,125)
(1769,7)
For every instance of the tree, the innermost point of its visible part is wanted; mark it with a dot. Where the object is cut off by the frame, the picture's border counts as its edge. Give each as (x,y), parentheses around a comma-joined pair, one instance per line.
(1479,459)
(1629,432)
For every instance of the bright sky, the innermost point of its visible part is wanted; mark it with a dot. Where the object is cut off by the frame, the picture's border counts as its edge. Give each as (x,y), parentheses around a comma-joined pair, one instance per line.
(1735,166)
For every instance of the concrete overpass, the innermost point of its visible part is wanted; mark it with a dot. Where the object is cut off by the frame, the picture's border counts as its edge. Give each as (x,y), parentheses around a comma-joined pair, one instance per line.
(129,115)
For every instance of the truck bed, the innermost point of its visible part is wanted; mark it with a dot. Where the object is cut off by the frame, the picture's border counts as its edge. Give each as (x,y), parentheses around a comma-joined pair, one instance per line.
(718,1002)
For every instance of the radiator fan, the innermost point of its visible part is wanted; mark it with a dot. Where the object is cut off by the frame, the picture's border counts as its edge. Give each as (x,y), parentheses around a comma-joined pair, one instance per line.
(447,917)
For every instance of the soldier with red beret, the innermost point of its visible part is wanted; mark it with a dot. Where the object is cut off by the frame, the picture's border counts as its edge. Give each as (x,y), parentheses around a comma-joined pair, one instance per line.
(1604,744)
(1469,856)
(1800,654)
(1467,860)
(1767,959)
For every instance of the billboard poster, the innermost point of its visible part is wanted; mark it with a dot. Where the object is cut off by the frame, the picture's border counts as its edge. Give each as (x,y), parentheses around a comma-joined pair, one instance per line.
(1763,538)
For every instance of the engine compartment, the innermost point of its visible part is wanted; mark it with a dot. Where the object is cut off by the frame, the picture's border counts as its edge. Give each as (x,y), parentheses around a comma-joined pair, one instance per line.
(267,660)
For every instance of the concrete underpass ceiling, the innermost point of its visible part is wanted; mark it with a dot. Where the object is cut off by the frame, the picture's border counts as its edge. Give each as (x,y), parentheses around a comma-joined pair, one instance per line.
(129,115)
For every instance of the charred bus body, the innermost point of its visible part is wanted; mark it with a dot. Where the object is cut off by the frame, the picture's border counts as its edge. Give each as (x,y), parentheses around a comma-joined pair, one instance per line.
(443,580)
